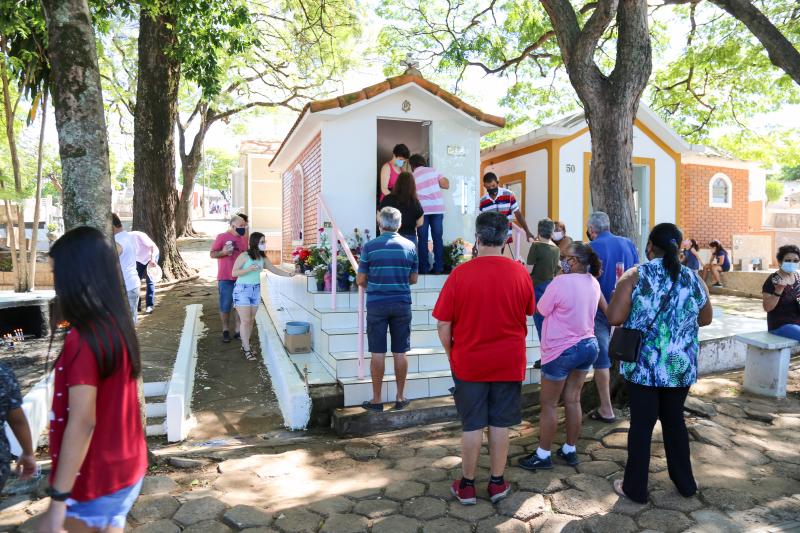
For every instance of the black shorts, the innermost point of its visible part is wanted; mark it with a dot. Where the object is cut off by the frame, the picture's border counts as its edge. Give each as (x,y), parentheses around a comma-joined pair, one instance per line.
(488,403)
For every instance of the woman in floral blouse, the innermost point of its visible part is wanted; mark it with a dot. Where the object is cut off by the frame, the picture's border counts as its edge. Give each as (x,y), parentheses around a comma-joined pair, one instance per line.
(667,302)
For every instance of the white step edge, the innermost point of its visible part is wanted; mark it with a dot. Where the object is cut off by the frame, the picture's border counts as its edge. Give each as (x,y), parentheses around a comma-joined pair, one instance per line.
(155,388)
(156,410)
(181,384)
(156,430)
(290,389)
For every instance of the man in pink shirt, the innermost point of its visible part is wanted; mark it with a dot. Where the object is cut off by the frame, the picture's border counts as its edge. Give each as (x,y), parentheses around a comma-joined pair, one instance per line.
(226,249)
(146,255)
(429,191)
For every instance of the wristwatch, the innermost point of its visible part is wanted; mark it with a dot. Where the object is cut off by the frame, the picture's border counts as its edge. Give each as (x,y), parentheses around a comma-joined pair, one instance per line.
(57,496)
(778,294)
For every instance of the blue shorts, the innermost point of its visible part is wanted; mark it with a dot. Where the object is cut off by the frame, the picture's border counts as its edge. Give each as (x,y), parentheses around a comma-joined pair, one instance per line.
(247,294)
(394,316)
(577,357)
(602,331)
(225,287)
(105,511)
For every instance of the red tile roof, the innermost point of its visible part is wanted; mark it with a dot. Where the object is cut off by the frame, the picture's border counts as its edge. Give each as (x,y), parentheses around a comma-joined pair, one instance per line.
(392,83)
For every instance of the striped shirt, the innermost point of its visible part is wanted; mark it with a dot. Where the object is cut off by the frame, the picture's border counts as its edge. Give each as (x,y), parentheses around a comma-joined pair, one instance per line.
(504,203)
(428,190)
(388,261)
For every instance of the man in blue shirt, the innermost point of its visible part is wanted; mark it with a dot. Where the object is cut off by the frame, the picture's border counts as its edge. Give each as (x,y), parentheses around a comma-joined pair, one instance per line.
(387,268)
(611,249)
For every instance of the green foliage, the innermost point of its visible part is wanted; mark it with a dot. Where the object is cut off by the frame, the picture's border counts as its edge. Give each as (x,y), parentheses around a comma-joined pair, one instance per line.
(218,165)
(790,173)
(772,148)
(774,190)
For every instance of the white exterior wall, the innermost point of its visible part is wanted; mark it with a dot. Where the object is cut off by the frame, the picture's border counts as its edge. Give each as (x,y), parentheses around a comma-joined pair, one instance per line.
(571,207)
(536,186)
(349,165)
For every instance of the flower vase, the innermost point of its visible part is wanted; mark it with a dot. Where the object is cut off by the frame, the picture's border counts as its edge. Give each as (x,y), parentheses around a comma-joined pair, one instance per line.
(320,285)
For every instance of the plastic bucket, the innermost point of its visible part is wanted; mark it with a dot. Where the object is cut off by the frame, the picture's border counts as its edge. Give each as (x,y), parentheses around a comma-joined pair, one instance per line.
(297,328)
(155,273)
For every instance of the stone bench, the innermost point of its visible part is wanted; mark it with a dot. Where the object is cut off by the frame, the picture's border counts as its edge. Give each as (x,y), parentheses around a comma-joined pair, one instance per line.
(766,369)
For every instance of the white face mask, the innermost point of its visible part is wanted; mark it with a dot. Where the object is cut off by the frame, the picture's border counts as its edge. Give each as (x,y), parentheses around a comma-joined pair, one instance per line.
(558,235)
(789,267)
(262,246)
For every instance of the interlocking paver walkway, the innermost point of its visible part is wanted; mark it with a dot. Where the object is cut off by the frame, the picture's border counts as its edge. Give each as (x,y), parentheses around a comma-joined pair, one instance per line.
(745,457)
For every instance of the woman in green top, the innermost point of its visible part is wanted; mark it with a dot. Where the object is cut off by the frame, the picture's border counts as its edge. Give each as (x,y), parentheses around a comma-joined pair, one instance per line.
(247,291)
(544,258)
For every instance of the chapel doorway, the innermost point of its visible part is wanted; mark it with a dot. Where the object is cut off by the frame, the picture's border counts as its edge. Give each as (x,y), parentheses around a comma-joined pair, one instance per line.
(642,208)
(413,133)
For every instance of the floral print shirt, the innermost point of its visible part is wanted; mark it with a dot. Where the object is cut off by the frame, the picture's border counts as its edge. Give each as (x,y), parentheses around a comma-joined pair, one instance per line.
(10,399)
(669,351)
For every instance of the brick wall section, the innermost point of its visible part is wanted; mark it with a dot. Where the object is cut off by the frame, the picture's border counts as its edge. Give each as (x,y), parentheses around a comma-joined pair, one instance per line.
(311,162)
(704,223)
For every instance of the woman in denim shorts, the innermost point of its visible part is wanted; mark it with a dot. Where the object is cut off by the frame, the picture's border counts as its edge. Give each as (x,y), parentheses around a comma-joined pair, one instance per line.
(247,290)
(568,348)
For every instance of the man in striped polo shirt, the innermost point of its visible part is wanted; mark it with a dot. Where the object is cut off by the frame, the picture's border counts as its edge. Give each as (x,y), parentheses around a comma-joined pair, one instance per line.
(387,268)
(430,183)
(504,202)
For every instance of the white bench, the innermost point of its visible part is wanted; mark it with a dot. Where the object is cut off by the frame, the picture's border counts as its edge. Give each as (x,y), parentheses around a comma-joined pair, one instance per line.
(766,370)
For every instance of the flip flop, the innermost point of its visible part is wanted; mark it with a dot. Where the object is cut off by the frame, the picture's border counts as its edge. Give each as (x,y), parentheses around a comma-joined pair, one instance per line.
(618,489)
(401,404)
(595,415)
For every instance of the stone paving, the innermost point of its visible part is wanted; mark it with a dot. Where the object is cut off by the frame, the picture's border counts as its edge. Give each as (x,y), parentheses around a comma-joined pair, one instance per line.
(744,450)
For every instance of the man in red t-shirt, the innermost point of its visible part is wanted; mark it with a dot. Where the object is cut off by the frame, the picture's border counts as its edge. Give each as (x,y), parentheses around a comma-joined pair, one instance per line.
(482,321)
(226,249)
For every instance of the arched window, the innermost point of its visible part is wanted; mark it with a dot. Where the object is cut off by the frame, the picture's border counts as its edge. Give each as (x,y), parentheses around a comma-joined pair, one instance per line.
(296,205)
(720,191)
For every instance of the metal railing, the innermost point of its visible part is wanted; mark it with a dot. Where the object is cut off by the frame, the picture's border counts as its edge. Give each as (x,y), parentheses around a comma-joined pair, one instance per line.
(338,237)
(518,236)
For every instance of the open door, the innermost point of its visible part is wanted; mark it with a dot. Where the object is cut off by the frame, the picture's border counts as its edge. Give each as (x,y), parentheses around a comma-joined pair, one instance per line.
(413,133)
(515,183)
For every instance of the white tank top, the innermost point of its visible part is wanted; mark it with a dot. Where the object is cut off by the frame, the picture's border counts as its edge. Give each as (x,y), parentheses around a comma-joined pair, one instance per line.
(127,261)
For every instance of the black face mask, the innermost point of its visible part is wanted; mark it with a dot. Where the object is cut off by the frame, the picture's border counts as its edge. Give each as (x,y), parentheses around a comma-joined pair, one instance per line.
(241,231)
(492,191)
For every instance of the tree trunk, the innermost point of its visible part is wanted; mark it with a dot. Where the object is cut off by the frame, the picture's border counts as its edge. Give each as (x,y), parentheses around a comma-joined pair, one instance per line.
(190,164)
(80,116)
(18,248)
(38,195)
(154,194)
(780,50)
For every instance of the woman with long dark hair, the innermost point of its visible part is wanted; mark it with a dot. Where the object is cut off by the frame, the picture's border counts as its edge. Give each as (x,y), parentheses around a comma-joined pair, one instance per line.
(569,348)
(247,290)
(667,302)
(690,255)
(720,262)
(404,198)
(96,435)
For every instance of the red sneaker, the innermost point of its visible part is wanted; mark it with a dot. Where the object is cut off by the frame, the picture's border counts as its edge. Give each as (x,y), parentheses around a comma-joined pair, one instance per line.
(466,495)
(498,492)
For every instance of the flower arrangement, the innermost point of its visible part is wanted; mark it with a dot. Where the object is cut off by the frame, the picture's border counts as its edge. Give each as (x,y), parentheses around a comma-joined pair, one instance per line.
(300,257)
(454,253)
(357,240)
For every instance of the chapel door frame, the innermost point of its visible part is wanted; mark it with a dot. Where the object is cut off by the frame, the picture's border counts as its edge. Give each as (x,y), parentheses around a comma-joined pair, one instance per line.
(510,179)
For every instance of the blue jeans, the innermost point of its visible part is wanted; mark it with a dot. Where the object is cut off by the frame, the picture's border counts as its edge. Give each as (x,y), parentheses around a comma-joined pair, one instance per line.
(791,331)
(538,320)
(110,510)
(150,294)
(602,331)
(577,357)
(434,223)
(225,287)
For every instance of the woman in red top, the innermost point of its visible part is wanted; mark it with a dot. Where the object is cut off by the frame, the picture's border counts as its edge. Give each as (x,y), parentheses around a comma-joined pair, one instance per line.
(96,436)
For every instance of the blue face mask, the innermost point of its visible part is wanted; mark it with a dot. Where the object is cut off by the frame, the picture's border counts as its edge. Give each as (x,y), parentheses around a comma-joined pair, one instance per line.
(399,163)
(241,231)
(789,267)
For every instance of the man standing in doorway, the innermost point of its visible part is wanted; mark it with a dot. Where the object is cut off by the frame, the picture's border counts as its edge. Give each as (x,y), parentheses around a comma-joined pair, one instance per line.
(126,246)
(612,250)
(504,202)
(226,249)
(482,315)
(429,191)
(146,255)
(387,269)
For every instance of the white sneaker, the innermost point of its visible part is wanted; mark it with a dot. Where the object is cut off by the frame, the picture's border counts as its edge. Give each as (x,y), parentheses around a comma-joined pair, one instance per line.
(149,310)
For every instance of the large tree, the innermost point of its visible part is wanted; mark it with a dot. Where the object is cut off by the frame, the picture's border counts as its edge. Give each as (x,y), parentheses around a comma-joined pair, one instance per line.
(80,117)
(155,196)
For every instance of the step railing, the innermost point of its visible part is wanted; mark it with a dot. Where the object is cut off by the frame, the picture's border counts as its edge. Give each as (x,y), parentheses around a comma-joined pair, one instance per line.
(338,238)
(518,236)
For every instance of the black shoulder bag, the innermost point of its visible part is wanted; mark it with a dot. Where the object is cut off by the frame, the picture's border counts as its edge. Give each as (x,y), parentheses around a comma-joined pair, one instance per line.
(626,343)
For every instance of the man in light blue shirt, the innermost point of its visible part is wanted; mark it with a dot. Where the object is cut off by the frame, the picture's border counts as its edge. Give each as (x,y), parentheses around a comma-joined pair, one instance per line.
(611,249)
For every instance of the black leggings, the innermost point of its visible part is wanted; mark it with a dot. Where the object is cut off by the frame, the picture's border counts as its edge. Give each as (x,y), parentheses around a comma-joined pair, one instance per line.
(649,404)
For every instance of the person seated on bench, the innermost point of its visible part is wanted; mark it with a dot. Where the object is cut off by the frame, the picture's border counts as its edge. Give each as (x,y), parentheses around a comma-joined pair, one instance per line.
(781,294)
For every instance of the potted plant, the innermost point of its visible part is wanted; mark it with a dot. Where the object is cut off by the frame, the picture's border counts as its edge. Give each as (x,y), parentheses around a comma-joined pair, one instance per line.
(319,276)
(51,232)
(454,253)
(343,276)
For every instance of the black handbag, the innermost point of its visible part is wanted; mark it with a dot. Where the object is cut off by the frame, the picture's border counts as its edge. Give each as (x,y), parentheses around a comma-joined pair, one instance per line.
(626,343)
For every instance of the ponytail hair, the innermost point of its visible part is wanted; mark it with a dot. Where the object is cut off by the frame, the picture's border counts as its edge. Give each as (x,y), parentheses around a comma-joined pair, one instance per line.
(667,237)
(587,257)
